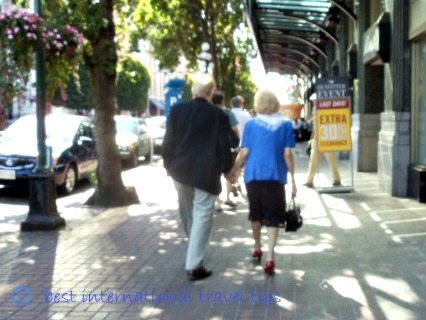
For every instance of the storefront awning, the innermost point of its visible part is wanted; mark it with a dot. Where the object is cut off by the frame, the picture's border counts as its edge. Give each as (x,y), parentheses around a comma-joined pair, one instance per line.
(291,35)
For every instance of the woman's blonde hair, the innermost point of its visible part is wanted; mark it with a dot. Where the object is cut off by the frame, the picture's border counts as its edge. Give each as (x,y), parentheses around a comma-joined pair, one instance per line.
(203,86)
(266,102)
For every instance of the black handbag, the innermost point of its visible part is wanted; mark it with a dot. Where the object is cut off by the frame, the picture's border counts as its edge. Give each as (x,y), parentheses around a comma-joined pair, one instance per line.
(294,219)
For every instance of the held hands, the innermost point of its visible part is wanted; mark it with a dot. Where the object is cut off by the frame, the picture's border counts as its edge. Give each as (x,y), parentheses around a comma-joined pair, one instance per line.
(232,176)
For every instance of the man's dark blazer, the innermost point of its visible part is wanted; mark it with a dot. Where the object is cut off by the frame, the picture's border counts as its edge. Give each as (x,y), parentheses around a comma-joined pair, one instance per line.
(196,148)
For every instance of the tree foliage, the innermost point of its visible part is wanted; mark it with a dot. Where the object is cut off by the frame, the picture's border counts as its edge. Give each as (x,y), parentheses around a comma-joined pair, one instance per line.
(179,27)
(22,33)
(175,28)
(133,84)
(95,19)
(79,94)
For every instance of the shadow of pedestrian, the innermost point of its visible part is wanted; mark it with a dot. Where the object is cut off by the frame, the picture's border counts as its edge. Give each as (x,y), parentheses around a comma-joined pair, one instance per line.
(336,304)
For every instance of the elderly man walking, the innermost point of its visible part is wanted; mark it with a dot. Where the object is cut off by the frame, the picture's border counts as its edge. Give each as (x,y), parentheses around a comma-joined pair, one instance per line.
(196,151)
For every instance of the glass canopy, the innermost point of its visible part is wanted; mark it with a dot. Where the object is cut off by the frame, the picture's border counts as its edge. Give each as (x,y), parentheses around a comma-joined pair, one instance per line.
(292,35)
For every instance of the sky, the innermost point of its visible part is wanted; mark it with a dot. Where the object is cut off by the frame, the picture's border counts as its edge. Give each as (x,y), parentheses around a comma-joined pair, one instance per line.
(271,81)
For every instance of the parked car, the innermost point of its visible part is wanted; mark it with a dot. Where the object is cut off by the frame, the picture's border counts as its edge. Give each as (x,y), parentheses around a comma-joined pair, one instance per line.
(157,128)
(133,139)
(70,141)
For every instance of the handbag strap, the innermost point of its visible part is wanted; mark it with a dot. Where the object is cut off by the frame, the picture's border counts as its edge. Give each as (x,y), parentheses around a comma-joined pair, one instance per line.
(293,202)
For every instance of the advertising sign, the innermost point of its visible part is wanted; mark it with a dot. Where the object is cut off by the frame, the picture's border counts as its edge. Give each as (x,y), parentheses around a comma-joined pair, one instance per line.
(333,115)
(334,125)
(333,87)
(333,122)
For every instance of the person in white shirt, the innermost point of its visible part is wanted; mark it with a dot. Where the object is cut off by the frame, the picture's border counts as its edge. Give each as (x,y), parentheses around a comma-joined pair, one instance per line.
(243,116)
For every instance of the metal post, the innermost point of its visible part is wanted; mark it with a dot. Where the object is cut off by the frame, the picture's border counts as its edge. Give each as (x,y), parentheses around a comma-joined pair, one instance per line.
(41,102)
(43,213)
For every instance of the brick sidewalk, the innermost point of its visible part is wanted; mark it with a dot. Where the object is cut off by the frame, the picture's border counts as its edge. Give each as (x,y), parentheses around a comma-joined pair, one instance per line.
(359,255)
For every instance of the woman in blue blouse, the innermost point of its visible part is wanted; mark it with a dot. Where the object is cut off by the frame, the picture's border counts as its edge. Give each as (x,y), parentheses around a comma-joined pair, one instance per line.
(266,152)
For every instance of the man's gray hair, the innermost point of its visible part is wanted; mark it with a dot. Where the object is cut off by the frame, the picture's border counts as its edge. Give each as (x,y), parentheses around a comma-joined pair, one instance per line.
(203,86)
(237,101)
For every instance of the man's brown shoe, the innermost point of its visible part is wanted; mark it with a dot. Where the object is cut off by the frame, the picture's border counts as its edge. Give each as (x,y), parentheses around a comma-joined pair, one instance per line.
(230,203)
(199,274)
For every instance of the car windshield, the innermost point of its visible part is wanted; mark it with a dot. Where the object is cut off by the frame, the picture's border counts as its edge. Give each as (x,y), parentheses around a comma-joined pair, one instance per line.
(57,128)
(126,126)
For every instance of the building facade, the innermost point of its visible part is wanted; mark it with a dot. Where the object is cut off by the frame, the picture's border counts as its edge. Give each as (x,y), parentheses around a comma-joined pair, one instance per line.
(389,111)
(381,46)
(417,38)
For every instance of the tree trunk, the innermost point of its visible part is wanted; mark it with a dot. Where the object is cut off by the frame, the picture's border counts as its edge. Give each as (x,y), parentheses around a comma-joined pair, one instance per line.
(110,191)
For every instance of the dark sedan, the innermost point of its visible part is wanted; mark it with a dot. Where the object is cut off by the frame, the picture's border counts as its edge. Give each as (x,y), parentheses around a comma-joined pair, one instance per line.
(71,148)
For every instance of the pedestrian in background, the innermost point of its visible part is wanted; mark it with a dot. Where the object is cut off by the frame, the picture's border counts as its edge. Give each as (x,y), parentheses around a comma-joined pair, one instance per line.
(266,152)
(243,116)
(219,100)
(316,158)
(196,151)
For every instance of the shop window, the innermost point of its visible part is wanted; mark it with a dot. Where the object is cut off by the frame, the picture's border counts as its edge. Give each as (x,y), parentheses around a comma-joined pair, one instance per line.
(419,119)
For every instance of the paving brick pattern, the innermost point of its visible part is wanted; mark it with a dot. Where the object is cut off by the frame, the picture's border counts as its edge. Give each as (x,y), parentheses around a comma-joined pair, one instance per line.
(359,255)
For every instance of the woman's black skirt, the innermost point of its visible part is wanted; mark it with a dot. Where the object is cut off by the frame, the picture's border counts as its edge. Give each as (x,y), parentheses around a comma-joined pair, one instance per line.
(267,203)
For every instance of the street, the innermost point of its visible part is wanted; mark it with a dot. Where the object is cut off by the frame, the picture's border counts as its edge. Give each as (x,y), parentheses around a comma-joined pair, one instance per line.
(14,201)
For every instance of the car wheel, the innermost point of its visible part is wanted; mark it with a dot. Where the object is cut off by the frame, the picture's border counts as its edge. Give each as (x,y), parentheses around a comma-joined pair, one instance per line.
(70,180)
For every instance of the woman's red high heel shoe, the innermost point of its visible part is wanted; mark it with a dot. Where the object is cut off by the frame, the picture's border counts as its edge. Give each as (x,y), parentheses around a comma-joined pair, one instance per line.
(257,254)
(269,268)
